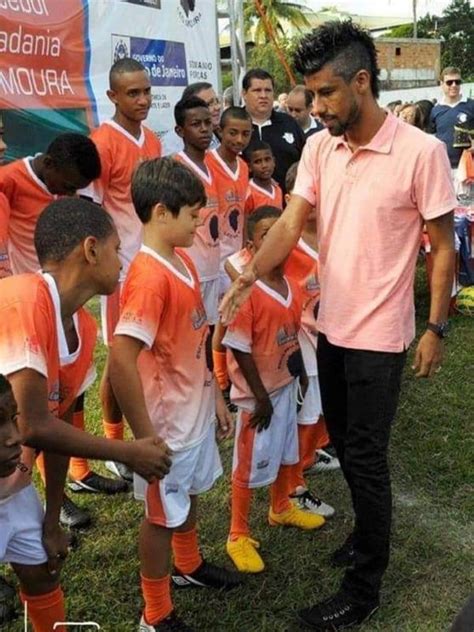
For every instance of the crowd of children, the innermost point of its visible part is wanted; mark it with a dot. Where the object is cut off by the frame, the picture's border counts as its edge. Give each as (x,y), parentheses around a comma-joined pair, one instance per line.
(174,233)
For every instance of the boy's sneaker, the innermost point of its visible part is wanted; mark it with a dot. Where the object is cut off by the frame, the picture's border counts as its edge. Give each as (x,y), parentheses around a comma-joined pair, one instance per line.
(243,552)
(294,517)
(172,623)
(304,499)
(330,449)
(337,613)
(325,463)
(73,516)
(207,576)
(344,555)
(120,470)
(94,483)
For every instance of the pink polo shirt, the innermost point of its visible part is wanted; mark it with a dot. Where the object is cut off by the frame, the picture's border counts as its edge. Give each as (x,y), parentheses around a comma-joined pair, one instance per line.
(371,205)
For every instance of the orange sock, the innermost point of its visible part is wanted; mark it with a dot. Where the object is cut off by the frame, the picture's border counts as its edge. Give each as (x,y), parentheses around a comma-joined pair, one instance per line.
(113,429)
(241,501)
(321,437)
(157,597)
(281,489)
(220,368)
(45,610)
(40,466)
(307,441)
(187,557)
(78,468)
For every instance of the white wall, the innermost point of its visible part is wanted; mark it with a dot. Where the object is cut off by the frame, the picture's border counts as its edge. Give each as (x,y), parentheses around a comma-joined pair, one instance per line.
(416,94)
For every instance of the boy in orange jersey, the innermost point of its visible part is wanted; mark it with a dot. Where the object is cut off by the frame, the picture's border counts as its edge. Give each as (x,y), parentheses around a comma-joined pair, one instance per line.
(77,246)
(70,163)
(26,187)
(263,190)
(302,266)
(232,178)
(123,142)
(161,370)
(266,369)
(231,175)
(194,126)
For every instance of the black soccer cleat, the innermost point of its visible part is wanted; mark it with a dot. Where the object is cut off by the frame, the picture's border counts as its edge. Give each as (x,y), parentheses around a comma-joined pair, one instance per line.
(172,623)
(208,576)
(96,484)
(73,516)
(120,470)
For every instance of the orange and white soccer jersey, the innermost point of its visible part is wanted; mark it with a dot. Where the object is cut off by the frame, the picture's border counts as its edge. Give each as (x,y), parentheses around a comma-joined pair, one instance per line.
(258,196)
(5,269)
(205,251)
(29,340)
(120,153)
(266,326)
(240,259)
(25,197)
(163,308)
(231,194)
(77,371)
(302,266)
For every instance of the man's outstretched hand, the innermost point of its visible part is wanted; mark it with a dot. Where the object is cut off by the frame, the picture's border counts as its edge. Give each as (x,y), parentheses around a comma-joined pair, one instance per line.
(236,295)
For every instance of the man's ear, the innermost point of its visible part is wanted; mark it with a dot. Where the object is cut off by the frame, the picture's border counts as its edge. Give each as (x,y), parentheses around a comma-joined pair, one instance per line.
(362,81)
(179,130)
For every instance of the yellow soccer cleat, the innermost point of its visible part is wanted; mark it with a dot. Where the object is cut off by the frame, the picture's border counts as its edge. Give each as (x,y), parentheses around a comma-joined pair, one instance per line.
(295,517)
(243,552)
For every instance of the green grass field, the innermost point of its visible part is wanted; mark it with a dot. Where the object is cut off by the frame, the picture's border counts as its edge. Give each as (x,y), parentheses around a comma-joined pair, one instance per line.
(432,567)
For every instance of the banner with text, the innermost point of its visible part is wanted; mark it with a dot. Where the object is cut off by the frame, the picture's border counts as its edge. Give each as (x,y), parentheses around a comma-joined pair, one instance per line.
(55,59)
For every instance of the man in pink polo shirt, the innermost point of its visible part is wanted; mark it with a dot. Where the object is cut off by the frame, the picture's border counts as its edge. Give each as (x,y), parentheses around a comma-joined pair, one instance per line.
(374,181)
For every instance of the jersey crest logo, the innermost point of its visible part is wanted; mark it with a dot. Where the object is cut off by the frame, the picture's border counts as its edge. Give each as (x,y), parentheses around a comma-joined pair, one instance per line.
(289,137)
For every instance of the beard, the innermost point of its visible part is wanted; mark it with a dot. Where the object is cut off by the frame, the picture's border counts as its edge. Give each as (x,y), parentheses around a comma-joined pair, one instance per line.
(339,127)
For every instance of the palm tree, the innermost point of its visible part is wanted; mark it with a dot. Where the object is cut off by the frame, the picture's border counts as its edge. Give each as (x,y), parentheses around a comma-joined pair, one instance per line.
(278,14)
(415,21)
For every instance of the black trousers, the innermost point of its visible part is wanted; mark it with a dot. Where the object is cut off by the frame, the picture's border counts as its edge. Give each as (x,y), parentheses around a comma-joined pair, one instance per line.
(360,391)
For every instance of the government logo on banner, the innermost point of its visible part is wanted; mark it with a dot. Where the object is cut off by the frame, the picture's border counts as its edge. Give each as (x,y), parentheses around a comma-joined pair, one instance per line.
(164,61)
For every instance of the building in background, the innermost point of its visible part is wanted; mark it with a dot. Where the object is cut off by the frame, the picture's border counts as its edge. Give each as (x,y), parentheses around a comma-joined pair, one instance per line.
(408,63)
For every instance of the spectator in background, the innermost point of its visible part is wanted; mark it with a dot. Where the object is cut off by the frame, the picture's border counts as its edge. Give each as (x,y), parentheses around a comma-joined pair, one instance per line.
(393,105)
(206,92)
(282,102)
(453,116)
(278,129)
(426,106)
(411,113)
(299,106)
(228,98)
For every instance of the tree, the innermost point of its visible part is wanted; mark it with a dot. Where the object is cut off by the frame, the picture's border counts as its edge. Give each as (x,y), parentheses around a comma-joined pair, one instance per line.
(457,34)
(426,28)
(279,14)
(263,56)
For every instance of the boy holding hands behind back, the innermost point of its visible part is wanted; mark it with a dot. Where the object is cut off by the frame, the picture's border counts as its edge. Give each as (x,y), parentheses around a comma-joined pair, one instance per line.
(161,370)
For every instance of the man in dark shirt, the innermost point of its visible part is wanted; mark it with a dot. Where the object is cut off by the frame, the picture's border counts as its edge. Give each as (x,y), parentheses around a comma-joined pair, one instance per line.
(278,129)
(453,117)
(299,106)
